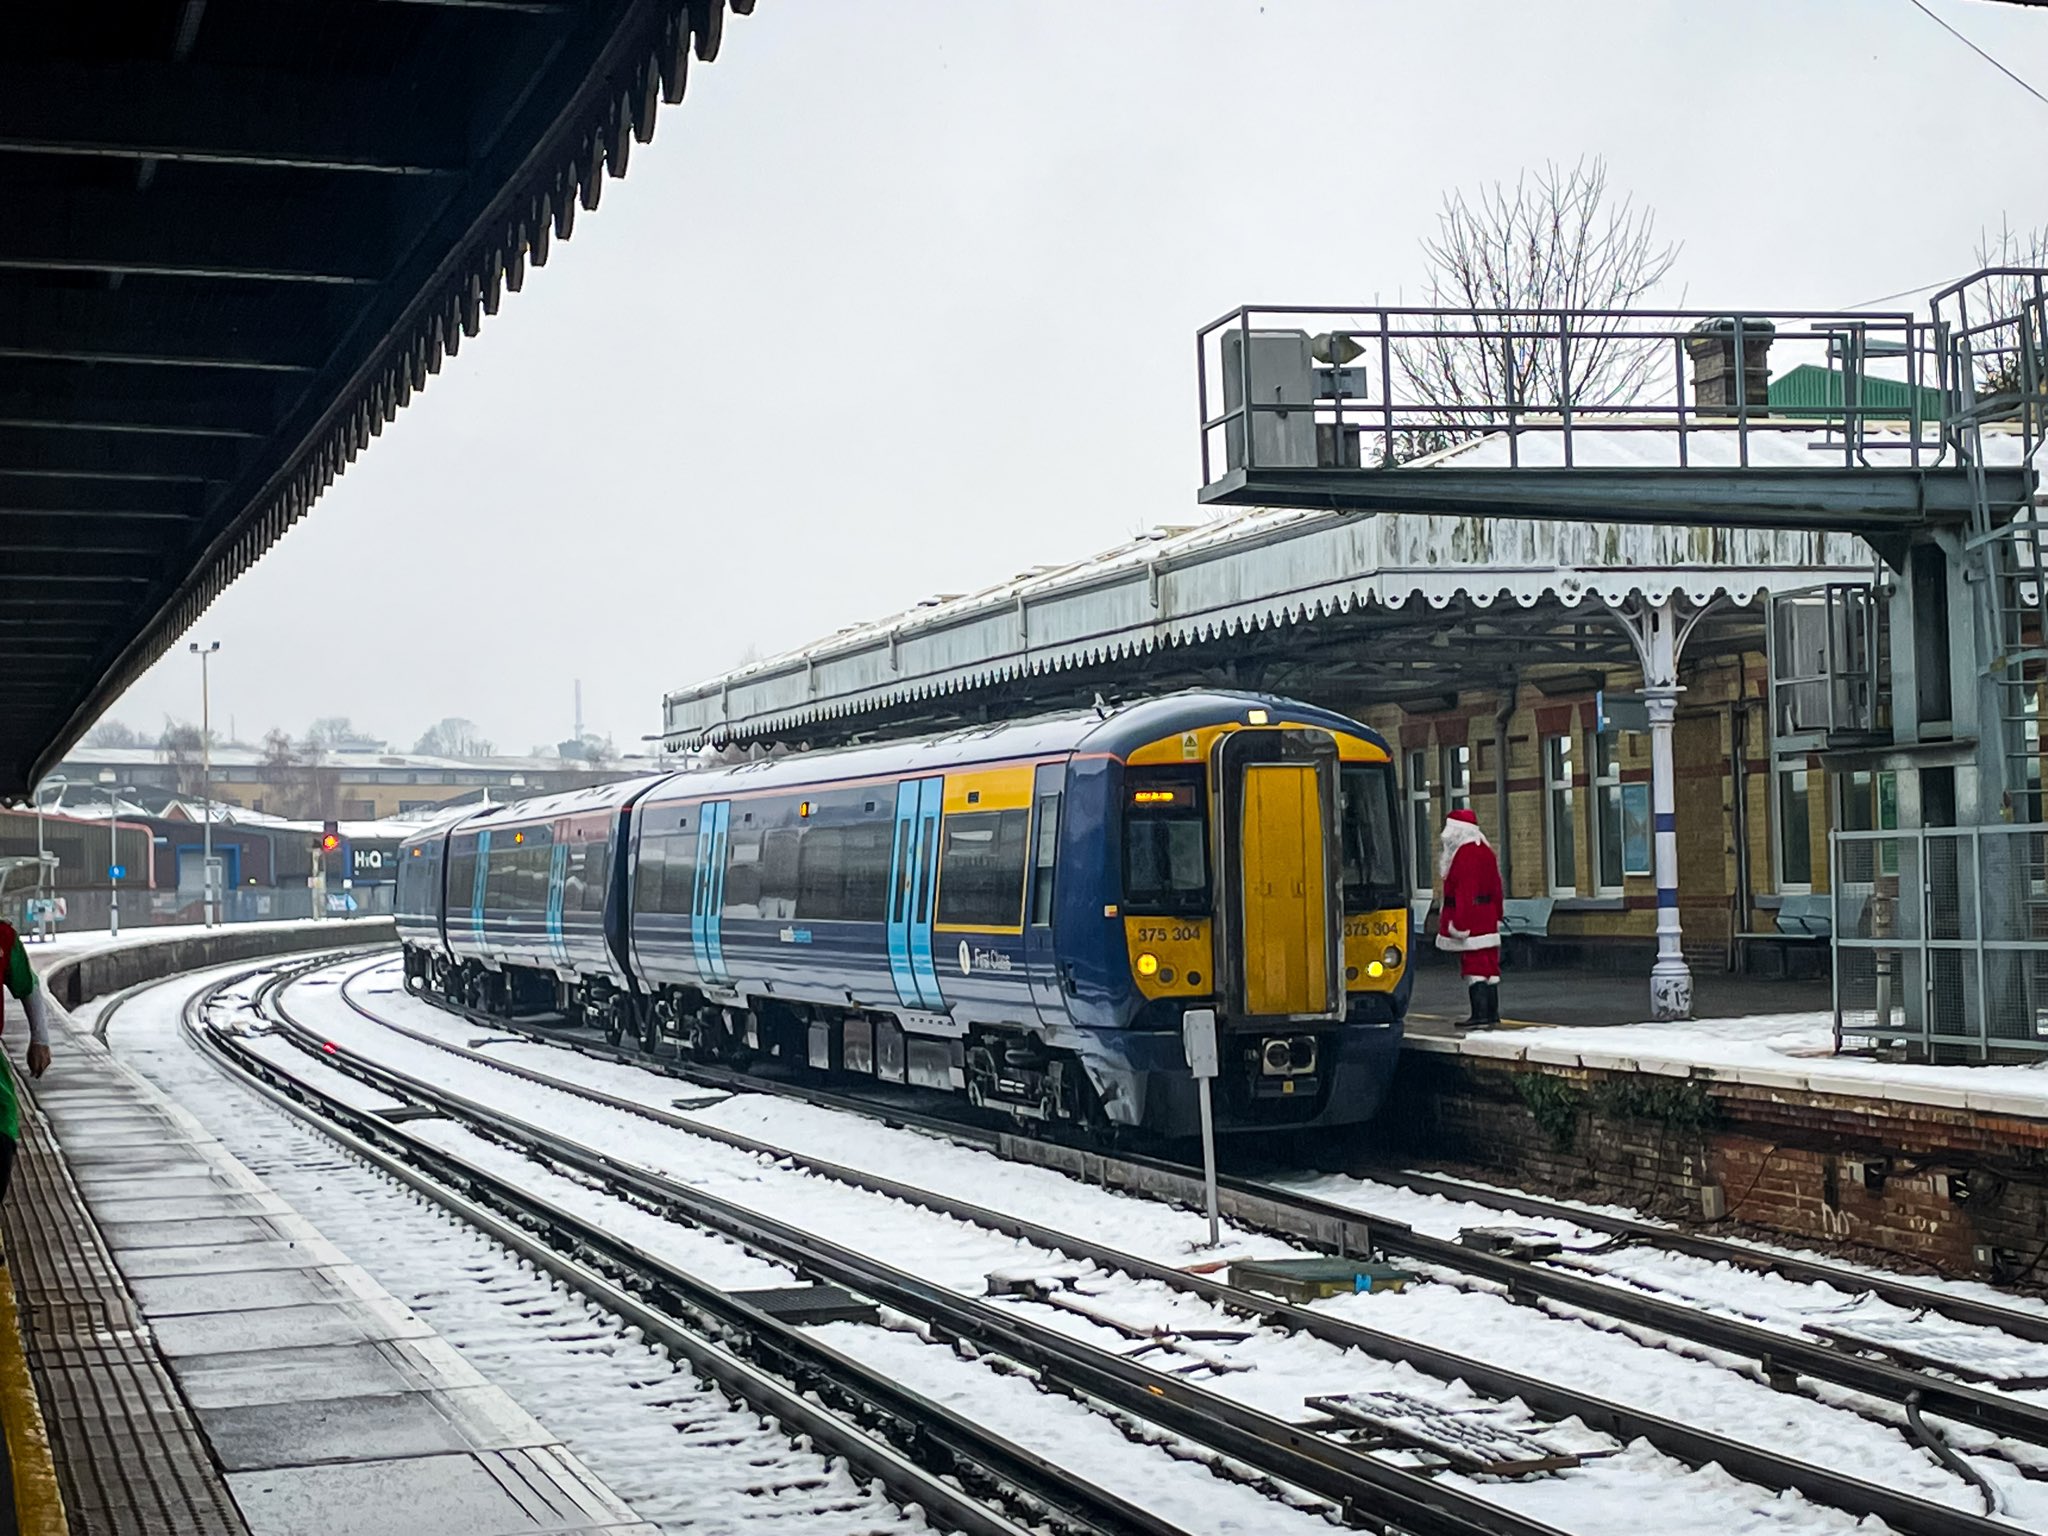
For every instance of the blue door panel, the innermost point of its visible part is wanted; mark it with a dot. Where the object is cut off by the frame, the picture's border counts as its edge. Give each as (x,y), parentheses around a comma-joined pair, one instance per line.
(930,799)
(902,867)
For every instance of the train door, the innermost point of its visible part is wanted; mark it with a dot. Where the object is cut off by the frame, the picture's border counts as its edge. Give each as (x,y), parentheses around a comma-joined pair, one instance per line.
(1041,957)
(558,880)
(707,893)
(1278,871)
(913,883)
(481,884)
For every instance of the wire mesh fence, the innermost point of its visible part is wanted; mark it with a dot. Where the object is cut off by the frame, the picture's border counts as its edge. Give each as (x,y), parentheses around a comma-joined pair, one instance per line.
(1941,939)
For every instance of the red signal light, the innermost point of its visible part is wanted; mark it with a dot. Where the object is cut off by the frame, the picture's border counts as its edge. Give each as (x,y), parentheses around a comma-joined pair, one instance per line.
(329,843)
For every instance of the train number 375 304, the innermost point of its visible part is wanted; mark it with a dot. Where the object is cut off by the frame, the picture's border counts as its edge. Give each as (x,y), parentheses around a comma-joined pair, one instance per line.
(1179,933)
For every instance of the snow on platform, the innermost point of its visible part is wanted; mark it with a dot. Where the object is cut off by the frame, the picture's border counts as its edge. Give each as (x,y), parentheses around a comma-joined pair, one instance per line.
(1793,1052)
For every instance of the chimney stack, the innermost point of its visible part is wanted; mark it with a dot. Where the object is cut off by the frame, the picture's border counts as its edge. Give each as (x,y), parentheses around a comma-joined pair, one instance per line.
(1712,348)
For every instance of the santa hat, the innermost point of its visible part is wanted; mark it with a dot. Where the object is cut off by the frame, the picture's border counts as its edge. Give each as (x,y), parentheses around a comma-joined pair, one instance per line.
(1463,815)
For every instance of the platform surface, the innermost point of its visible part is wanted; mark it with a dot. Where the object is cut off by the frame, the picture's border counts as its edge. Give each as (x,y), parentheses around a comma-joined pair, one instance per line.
(207,1362)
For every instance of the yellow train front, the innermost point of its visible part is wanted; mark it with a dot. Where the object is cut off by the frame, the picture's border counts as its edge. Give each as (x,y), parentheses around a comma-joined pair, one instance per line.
(1255,867)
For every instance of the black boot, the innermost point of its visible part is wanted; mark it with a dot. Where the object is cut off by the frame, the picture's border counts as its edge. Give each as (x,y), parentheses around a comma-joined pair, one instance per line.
(1493,1001)
(1478,990)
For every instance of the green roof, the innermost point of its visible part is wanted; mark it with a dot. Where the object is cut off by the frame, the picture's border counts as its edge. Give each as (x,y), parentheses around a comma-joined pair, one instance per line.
(1811,390)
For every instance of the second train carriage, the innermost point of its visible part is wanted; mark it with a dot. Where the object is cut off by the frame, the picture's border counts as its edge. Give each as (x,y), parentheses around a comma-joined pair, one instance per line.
(1020,913)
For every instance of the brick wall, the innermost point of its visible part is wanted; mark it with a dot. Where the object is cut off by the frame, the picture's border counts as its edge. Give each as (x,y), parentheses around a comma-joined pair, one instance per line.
(1959,1192)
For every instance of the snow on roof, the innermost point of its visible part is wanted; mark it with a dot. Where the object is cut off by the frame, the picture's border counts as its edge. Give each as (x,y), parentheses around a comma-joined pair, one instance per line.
(1245,569)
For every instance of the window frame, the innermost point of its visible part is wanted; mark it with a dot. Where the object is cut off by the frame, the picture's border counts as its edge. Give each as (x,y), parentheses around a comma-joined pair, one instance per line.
(1606,804)
(1782,770)
(1559,805)
(1005,824)
(1415,793)
(1457,786)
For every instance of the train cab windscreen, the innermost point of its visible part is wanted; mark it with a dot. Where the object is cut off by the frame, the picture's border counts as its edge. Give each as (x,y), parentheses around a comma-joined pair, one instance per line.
(1166,844)
(1366,823)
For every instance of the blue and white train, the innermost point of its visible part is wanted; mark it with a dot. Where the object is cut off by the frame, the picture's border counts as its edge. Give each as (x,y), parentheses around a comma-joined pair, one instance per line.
(1020,913)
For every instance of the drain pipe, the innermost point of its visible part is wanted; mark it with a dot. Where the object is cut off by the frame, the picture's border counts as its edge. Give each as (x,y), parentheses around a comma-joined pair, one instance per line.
(1504,849)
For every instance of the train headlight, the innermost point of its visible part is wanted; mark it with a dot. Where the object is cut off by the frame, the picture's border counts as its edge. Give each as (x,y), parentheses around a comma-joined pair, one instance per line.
(1148,965)
(1374,968)
(1392,957)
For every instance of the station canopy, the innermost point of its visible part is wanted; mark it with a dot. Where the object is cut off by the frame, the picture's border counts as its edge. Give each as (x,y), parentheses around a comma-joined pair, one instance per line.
(1340,608)
(241,234)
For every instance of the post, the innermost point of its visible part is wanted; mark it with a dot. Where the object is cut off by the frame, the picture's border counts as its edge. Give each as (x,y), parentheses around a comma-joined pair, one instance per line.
(209,902)
(1198,1038)
(1659,637)
(113,864)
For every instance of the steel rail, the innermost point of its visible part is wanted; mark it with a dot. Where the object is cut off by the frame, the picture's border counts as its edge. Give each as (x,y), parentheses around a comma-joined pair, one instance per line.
(1781,1355)
(775,1367)
(1368,1490)
(1722,1250)
(1683,1442)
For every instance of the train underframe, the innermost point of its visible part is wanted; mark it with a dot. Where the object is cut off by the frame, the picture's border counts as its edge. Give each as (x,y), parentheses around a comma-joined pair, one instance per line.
(1117,1081)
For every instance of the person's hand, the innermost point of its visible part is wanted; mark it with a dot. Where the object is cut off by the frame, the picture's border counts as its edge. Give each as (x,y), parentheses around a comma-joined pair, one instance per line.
(38,1060)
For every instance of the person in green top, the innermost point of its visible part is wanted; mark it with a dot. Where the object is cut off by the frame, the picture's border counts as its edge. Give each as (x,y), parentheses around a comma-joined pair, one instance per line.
(20,978)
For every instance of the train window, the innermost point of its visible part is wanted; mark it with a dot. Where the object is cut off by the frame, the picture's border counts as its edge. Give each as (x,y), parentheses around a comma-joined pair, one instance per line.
(843,873)
(597,871)
(981,870)
(647,876)
(500,872)
(1372,864)
(462,879)
(899,901)
(1166,844)
(1047,861)
(743,874)
(777,897)
(679,875)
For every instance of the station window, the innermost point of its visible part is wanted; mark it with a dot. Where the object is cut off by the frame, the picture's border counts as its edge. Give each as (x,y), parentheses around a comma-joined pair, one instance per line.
(1457,779)
(981,870)
(1560,829)
(1795,828)
(1421,825)
(1607,822)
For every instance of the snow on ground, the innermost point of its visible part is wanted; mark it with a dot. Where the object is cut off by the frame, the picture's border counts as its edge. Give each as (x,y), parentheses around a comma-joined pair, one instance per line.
(1781,1050)
(1479,1323)
(675,1450)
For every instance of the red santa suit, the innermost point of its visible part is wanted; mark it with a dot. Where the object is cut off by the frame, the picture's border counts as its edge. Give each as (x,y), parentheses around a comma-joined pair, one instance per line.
(1470,923)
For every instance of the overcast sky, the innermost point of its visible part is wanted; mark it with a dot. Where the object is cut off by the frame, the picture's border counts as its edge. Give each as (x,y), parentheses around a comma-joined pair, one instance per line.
(901,300)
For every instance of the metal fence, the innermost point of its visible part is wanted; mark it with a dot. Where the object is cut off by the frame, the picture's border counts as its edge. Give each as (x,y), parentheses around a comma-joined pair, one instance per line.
(86,911)
(1941,939)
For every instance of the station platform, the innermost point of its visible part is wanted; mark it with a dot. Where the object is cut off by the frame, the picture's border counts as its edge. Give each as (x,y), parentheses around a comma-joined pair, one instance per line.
(1742,1114)
(181,1351)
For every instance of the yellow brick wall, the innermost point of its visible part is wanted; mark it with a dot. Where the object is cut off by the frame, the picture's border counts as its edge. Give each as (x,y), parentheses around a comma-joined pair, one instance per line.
(1706,794)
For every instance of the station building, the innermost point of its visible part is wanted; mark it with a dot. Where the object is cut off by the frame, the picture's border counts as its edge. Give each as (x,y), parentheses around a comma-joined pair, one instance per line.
(1494,654)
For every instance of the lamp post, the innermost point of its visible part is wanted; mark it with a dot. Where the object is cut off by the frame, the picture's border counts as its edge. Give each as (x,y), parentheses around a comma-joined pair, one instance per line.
(210,901)
(114,794)
(45,886)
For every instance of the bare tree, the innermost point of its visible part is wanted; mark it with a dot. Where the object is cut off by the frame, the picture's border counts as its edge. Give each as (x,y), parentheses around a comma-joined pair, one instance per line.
(2002,298)
(182,748)
(289,778)
(587,748)
(114,733)
(330,731)
(453,737)
(1508,267)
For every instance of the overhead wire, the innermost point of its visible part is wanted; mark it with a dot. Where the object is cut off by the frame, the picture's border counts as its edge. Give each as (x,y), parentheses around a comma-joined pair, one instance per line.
(1922,8)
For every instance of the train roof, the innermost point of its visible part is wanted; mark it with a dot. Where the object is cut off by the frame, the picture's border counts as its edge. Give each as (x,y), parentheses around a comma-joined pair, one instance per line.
(545,808)
(1113,730)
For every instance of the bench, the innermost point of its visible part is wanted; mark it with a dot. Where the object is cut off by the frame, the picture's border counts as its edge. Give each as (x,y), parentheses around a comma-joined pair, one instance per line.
(1805,923)
(1524,924)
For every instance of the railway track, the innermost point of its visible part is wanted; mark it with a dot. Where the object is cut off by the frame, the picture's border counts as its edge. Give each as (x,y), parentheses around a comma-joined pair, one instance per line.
(1347,1230)
(1367,1490)
(1780,1356)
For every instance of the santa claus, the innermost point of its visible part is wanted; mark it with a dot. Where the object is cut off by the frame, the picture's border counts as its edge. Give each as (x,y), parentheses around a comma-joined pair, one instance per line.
(1470,924)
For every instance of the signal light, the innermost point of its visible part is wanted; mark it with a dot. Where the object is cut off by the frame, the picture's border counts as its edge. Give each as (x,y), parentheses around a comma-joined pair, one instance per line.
(329,842)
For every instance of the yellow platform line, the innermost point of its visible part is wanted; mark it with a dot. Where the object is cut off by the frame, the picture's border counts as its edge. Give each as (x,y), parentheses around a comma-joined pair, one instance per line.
(38,1502)
(1445,1018)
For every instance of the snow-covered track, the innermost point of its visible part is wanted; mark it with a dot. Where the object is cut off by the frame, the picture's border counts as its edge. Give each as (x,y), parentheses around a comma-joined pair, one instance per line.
(842,1406)
(1373,1491)
(1341,1228)
(1784,1357)
(1801,1267)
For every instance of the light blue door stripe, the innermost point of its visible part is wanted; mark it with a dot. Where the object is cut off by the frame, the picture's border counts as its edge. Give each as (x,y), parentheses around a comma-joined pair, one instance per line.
(903,862)
(476,895)
(558,870)
(931,799)
(713,923)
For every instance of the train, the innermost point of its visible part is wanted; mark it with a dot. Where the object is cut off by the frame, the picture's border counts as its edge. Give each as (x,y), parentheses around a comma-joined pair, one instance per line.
(1019,913)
